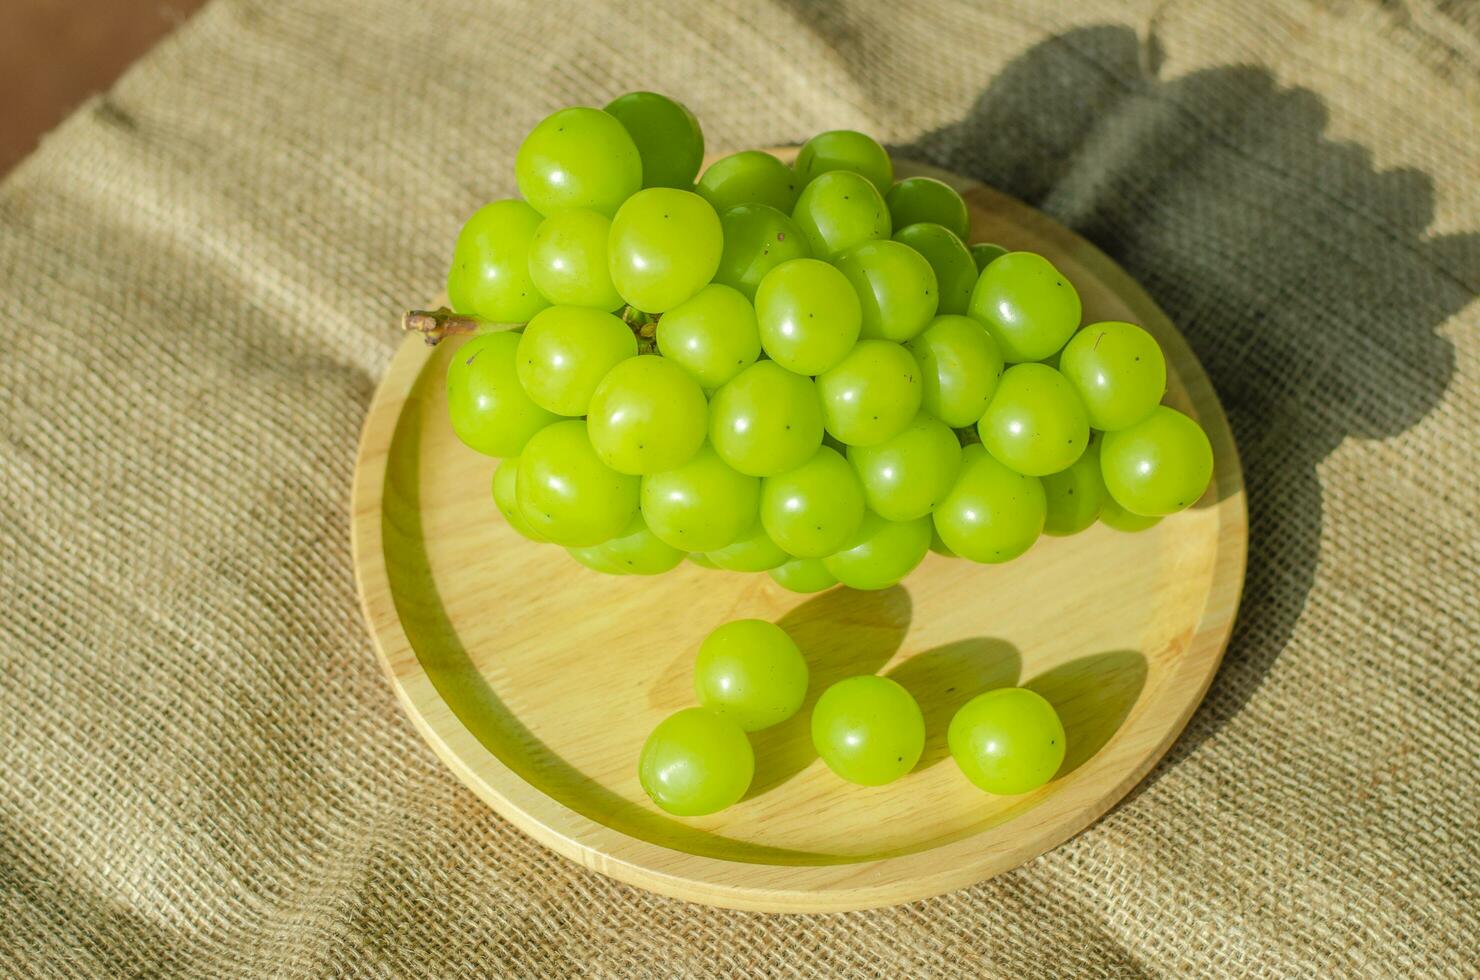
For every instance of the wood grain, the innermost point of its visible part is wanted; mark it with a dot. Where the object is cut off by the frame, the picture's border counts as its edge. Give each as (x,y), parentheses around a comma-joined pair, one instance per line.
(536,680)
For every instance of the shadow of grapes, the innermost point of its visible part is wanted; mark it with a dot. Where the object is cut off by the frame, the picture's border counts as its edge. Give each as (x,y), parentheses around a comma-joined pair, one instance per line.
(945,678)
(1302,276)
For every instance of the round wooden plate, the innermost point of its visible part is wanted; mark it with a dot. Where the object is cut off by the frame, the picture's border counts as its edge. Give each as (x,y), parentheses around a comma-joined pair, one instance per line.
(537,680)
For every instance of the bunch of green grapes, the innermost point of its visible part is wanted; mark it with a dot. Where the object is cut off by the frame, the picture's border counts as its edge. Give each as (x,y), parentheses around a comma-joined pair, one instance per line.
(802,370)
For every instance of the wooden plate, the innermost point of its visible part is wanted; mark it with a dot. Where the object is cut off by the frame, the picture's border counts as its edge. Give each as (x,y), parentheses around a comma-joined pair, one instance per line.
(536,680)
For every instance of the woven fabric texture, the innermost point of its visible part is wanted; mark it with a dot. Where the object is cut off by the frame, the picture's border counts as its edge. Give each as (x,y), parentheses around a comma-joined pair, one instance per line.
(204,772)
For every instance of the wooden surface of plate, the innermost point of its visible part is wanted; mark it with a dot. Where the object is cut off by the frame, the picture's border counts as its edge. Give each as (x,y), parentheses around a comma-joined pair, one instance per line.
(537,680)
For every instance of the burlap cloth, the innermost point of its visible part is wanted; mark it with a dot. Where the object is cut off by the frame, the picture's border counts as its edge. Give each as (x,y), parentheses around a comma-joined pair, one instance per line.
(202,770)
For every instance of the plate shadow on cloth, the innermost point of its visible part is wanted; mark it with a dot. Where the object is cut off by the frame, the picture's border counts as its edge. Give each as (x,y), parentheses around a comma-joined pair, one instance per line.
(1302,276)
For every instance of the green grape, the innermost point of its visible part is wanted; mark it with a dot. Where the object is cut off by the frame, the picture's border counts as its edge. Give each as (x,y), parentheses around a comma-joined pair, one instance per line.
(1028,305)
(506,497)
(838,211)
(804,575)
(906,475)
(578,158)
(808,314)
(813,510)
(938,544)
(955,273)
(712,334)
(567,260)
(959,369)
(1035,423)
(880,552)
(869,730)
(635,551)
(489,277)
(1112,515)
(992,514)
(1007,741)
(567,494)
(753,551)
(1074,496)
(565,352)
(703,505)
(751,671)
(702,561)
(665,245)
(871,394)
(647,415)
(844,149)
(749,177)
(757,239)
(896,288)
(596,559)
(983,253)
(1158,466)
(766,420)
(696,762)
(1118,370)
(917,199)
(667,137)
(485,401)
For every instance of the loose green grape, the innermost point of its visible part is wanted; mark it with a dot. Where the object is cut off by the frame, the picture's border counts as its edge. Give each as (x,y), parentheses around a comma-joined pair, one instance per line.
(896,288)
(647,415)
(696,762)
(871,394)
(804,575)
(578,158)
(1028,305)
(766,420)
(567,494)
(712,334)
(906,475)
(751,671)
(838,211)
(749,177)
(813,510)
(635,551)
(564,353)
(808,314)
(753,551)
(1036,423)
(959,369)
(487,405)
(955,272)
(869,730)
(845,149)
(1007,741)
(880,552)
(917,199)
(489,276)
(567,260)
(758,238)
(1075,496)
(1158,466)
(992,514)
(1118,370)
(983,253)
(506,497)
(667,137)
(703,505)
(1112,515)
(665,245)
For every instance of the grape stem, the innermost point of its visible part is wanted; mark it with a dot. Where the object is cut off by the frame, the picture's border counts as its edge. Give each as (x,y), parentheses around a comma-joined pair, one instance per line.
(442,322)
(968,436)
